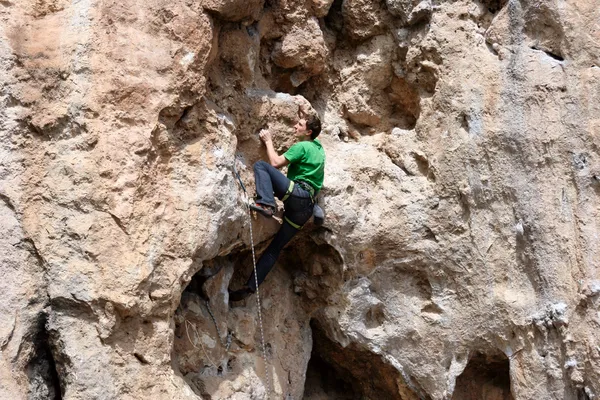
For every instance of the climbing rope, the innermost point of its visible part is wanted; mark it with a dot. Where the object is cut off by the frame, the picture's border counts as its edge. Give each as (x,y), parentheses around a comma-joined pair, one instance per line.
(258,305)
(226,343)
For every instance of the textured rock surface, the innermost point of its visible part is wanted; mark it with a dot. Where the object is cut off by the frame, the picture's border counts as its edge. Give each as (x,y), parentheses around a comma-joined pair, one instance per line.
(459,256)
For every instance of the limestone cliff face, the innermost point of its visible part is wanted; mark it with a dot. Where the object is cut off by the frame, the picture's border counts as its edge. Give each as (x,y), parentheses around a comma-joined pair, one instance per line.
(461,250)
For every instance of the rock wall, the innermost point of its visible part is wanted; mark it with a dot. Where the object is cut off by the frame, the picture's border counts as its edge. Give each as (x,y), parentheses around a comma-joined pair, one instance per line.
(459,258)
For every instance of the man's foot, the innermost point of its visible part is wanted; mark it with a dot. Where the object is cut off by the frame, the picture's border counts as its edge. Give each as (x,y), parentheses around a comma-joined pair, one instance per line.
(263,209)
(241,294)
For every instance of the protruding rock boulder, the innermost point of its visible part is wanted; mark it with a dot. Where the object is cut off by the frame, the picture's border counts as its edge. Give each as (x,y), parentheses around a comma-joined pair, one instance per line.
(302,47)
(234,10)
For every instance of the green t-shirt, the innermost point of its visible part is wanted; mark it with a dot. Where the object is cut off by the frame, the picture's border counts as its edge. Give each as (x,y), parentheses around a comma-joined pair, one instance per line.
(307,163)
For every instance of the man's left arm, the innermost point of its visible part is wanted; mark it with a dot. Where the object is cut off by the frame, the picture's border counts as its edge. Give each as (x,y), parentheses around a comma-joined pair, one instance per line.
(275,159)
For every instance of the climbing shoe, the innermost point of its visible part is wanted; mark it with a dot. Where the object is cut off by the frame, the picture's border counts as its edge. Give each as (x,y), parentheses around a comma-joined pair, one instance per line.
(263,209)
(241,294)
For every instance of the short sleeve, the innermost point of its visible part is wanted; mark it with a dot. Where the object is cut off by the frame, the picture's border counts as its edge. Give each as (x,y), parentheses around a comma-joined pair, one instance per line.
(295,153)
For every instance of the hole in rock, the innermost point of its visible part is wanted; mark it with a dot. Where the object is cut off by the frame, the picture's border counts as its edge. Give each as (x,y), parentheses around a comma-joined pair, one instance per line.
(549,53)
(334,19)
(555,56)
(406,101)
(486,377)
(545,30)
(375,316)
(488,11)
(350,373)
(198,350)
(423,165)
(44,381)
(494,6)
(281,81)
(140,358)
(316,268)
(583,395)
(323,382)
(464,121)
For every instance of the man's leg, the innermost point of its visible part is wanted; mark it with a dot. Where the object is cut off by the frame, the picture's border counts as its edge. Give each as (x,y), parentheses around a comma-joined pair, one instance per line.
(266,262)
(269,180)
(300,211)
(268,259)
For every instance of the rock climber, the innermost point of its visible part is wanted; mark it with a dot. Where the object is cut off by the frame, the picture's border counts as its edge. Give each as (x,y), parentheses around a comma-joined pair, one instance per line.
(306,171)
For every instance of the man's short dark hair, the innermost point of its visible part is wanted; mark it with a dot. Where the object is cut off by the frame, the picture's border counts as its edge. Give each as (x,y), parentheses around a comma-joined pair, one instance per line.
(313,124)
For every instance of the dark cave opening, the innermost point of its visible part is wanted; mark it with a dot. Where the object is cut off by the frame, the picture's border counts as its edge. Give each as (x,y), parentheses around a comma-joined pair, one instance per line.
(349,373)
(334,20)
(202,335)
(486,377)
(44,380)
(209,268)
(239,260)
(315,266)
(494,6)
(323,382)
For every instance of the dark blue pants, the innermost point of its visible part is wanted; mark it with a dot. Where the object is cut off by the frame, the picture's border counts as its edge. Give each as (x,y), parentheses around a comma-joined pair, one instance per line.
(298,208)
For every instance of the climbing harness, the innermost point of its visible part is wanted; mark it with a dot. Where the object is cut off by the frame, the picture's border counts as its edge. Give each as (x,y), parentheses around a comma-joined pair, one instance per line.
(318,214)
(258,305)
(304,186)
(289,191)
(227,342)
(308,188)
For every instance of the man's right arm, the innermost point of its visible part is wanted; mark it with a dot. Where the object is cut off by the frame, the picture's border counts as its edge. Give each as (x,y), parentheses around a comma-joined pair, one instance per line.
(275,159)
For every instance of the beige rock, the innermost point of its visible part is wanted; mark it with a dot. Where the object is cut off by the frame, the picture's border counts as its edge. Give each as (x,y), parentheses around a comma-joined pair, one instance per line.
(23,371)
(459,255)
(321,7)
(240,52)
(410,11)
(234,10)
(302,47)
(363,19)
(365,73)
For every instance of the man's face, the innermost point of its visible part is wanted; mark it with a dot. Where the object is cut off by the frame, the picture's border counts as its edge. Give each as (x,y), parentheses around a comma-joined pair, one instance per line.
(300,128)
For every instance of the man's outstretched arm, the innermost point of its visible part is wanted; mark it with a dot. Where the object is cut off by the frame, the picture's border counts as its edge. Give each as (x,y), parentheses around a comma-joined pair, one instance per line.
(275,159)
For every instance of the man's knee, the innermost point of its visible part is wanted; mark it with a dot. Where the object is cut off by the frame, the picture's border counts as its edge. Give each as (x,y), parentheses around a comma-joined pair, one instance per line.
(261,165)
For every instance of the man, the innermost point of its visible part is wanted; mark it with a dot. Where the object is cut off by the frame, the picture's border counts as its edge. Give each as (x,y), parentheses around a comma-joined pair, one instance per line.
(306,171)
